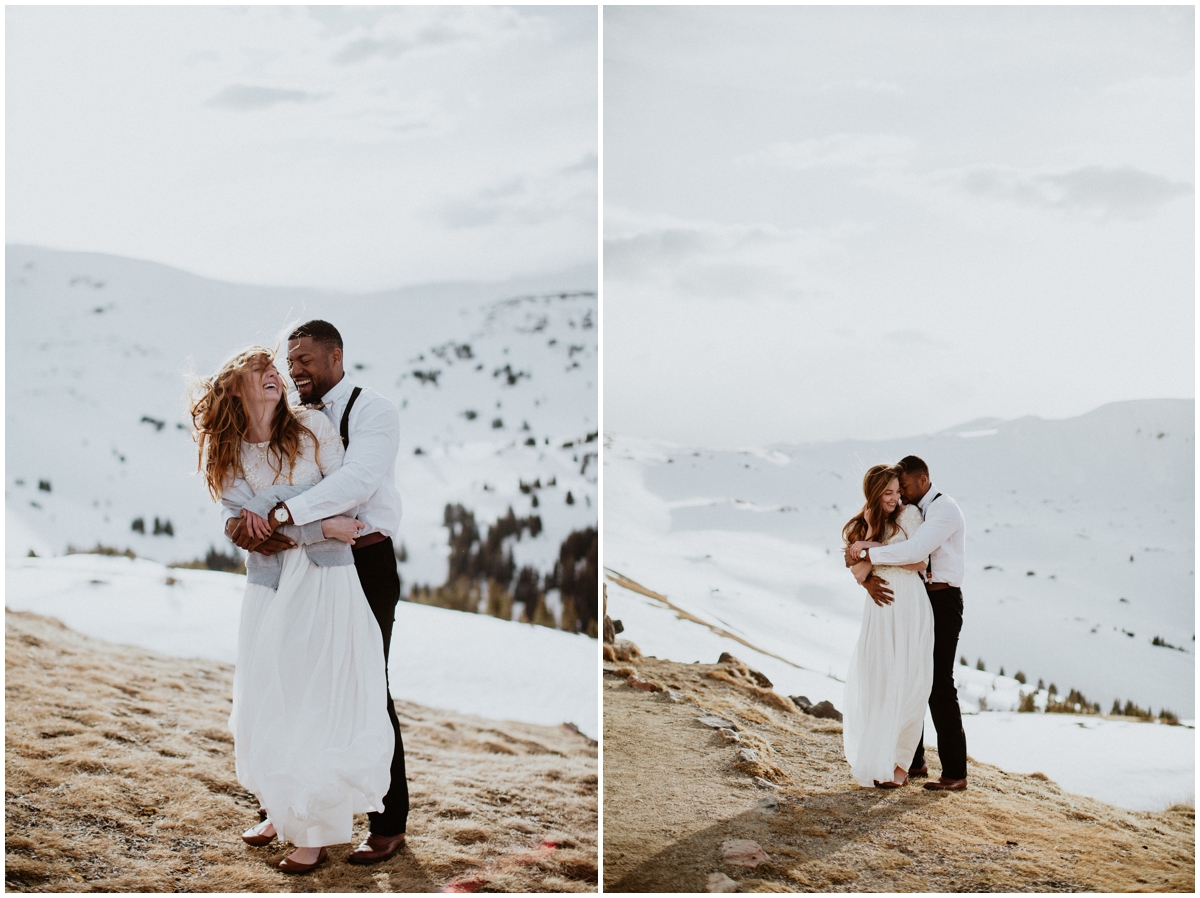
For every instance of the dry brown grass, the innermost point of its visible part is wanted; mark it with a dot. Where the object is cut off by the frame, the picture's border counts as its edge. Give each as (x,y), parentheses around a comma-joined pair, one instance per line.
(675,790)
(120,777)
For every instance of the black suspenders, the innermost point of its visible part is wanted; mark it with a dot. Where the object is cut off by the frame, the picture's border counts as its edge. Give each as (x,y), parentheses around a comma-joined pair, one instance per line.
(928,561)
(346,420)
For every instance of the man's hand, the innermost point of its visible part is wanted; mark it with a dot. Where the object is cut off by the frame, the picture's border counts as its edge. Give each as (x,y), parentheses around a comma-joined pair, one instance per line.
(238,531)
(878,588)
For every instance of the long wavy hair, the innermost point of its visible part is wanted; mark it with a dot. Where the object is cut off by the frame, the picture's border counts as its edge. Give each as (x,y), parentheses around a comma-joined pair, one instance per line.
(875,483)
(219,424)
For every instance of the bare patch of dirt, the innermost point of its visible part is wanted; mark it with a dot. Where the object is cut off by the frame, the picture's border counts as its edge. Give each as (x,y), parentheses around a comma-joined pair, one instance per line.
(120,777)
(676,789)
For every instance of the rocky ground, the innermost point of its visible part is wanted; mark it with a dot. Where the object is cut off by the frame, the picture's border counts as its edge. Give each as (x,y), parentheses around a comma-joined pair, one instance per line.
(120,777)
(762,800)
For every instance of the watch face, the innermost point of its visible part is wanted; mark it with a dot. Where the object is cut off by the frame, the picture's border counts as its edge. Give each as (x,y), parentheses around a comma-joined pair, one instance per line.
(281,514)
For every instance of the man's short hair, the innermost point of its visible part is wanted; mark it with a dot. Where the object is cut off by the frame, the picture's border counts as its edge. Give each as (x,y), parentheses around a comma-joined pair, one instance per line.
(910,464)
(320,332)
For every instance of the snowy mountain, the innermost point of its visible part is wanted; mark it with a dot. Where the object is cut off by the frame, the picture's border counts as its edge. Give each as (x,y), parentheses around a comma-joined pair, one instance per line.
(1080,552)
(496,386)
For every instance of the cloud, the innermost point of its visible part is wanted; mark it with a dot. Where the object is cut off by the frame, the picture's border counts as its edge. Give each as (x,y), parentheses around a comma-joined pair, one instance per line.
(246,97)
(414,29)
(711,259)
(588,163)
(871,151)
(1109,192)
(527,200)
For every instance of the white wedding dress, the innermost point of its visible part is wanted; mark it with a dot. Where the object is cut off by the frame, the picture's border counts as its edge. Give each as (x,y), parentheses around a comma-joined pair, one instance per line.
(891,672)
(312,739)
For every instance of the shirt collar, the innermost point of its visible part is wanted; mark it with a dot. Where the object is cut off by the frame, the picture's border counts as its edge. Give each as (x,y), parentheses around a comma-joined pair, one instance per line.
(338,393)
(927,498)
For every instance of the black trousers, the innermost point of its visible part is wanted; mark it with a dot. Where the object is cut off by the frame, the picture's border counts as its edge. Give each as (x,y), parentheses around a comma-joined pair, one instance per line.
(376,566)
(943,698)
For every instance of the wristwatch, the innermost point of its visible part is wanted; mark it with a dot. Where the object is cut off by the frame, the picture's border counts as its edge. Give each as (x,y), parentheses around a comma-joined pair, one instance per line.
(863,554)
(281,513)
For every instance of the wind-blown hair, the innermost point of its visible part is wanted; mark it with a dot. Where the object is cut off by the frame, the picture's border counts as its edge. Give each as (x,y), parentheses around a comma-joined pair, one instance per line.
(219,424)
(875,483)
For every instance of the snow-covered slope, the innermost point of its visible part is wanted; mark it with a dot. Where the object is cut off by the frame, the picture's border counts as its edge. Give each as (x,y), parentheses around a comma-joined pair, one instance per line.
(470,663)
(749,542)
(496,384)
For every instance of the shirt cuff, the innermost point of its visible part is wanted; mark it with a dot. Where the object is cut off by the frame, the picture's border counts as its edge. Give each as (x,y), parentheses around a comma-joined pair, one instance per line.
(301,513)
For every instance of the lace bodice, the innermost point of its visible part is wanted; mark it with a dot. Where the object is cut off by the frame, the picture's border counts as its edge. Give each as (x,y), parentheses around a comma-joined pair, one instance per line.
(909,520)
(258,463)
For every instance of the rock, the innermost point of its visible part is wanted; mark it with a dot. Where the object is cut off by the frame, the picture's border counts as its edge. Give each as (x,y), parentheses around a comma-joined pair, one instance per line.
(676,696)
(618,627)
(610,631)
(743,853)
(761,680)
(749,755)
(626,650)
(610,654)
(801,702)
(719,882)
(645,685)
(764,784)
(728,735)
(769,803)
(825,709)
(717,723)
(727,658)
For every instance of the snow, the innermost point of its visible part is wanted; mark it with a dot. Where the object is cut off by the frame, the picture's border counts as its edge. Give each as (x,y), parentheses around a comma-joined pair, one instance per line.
(1069,501)
(98,351)
(469,663)
(1140,766)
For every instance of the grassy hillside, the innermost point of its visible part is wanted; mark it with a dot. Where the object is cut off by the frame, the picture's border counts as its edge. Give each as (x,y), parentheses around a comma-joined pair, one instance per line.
(120,777)
(676,791)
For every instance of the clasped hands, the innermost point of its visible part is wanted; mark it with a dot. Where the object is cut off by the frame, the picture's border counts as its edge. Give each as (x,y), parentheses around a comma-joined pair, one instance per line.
(257,534)
(876,586)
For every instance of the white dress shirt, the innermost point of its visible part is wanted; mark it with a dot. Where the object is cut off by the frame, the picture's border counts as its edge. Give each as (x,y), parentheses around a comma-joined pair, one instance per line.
(364,486)
(942,539)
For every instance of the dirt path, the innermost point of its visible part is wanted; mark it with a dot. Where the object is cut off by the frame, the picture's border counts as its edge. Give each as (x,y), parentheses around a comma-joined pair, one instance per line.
(675,791)
(120,777)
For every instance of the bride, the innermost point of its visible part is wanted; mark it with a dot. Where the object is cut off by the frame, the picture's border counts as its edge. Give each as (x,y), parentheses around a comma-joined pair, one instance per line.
(312,739)
(891,669)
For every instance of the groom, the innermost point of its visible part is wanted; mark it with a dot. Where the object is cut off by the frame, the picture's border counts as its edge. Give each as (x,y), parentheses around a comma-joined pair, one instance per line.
(364,486)
(941,539)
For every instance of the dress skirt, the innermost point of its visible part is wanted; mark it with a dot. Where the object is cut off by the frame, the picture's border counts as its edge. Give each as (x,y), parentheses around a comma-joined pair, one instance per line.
(312,738)
(889,680)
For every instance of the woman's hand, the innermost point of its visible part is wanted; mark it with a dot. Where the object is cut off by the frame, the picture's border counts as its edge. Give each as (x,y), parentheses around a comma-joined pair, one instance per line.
(342,528)
(260,528)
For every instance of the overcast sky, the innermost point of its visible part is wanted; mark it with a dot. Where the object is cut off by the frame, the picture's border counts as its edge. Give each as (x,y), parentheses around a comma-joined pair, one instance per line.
(828,222)
(350,148)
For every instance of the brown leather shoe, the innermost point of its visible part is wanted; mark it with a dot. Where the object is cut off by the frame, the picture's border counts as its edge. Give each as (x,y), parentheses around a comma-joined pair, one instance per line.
(287,865)
(256,837)
(941,784)
(890,784)
(376,848)
(923,770)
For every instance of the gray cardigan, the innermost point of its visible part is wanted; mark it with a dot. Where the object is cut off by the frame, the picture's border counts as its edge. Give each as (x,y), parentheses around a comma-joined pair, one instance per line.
(265,570)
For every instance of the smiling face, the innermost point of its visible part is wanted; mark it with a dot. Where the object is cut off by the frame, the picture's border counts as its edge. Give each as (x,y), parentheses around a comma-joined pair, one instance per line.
(891,496)
(314,368)
(914,487)
(261,381)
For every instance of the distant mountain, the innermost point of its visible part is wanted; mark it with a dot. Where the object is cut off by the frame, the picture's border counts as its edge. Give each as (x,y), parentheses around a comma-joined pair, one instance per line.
(1080,542)
(496,385)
